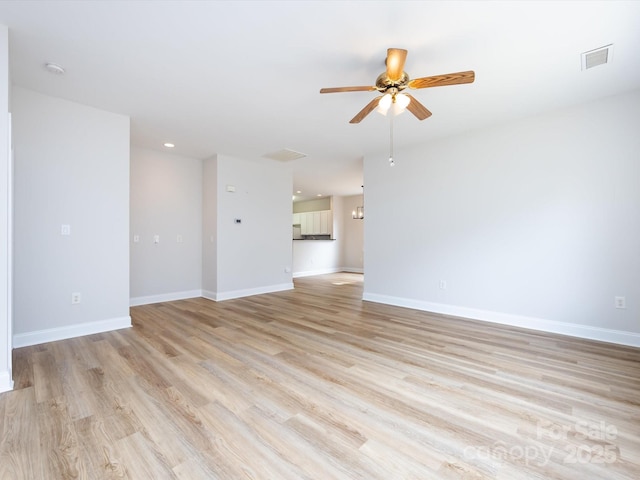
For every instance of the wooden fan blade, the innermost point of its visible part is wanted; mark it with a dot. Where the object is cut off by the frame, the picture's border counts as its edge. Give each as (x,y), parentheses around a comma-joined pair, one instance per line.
(419,110)
(395,63)
(371,106)
(442,80)
(347,89)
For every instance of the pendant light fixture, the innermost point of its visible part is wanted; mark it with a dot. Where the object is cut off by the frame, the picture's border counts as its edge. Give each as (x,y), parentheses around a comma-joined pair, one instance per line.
(358,213)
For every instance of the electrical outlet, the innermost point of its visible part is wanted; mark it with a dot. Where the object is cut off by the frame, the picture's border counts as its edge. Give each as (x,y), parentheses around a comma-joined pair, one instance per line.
(76,298)
(156,239)
(179,239)
(442,284)
(620,302)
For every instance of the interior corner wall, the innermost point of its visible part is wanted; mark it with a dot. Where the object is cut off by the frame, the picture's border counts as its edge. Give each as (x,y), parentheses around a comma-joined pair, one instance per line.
(6,382)
(71,168)
(166,205)
(535,223)
(253,223)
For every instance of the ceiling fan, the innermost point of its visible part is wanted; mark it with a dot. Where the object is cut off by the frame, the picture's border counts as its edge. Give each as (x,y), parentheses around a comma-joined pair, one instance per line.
(393,81)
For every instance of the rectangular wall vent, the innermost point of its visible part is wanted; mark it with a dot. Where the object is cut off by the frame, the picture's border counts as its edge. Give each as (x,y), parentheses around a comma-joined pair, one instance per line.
(596,57)
(285,155)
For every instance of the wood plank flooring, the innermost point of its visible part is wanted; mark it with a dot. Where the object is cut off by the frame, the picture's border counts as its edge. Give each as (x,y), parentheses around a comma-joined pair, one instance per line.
(316,384)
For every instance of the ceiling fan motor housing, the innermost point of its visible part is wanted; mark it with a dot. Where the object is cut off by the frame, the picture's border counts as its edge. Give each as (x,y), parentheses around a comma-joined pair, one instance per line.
(383,82)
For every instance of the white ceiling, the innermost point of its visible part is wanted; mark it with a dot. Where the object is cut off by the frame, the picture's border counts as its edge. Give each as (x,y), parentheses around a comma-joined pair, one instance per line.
(243,78)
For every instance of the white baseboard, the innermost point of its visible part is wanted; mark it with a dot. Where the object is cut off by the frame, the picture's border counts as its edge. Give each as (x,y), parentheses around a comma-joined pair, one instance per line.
(70,331)
(571,329)
(322,271)
(165,297)
(352,270)
(220,296)
(6,383)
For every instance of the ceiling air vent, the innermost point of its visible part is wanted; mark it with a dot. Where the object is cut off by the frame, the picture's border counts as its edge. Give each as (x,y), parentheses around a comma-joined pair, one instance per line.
(596,57)
(285,155)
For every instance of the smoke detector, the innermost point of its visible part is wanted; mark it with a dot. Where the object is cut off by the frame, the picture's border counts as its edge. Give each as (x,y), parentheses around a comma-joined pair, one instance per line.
(54,68)
(596,57)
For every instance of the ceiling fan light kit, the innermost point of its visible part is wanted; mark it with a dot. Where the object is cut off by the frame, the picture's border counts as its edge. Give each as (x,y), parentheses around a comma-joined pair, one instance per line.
(394,102)
(384,104)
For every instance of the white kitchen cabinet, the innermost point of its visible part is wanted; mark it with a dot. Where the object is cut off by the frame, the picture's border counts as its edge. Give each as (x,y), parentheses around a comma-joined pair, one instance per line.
(315,223)
(304,224)
(326,222)
(315,229)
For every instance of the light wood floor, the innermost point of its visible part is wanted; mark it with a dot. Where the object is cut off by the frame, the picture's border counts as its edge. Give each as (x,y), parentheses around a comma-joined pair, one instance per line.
(316,384)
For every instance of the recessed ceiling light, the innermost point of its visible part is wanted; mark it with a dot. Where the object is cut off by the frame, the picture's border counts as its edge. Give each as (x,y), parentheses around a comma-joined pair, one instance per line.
(298,191)
(54,68)
(169,145)
(319,195)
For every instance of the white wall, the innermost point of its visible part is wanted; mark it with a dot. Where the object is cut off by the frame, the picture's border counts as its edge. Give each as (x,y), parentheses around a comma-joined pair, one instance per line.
(166,200)
(314,205)
(315,257)
(6,382)
(535,223)
(210,227)
(253,256)
(353,244)
(71,168)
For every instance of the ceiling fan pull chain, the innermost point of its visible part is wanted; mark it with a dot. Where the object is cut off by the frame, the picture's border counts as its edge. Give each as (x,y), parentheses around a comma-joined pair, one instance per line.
(391,162)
